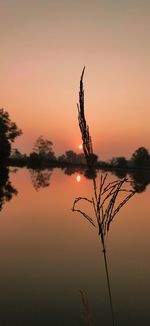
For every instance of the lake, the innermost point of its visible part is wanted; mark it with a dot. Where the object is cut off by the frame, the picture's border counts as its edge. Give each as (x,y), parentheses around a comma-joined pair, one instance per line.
(51,258)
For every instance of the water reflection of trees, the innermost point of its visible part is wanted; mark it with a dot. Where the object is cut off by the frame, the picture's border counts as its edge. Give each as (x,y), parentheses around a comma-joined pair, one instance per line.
(40,177)
(7,191)
(69,170)
(140,177)
(88,173)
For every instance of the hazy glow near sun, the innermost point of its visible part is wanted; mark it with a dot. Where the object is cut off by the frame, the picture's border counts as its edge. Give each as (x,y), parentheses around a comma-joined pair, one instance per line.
(80,146)
(78,178)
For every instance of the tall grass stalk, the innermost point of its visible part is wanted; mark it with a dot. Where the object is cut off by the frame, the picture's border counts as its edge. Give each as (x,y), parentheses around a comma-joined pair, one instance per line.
(105,194)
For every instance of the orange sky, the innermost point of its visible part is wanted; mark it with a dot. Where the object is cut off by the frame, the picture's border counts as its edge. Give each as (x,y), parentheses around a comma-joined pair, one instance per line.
(44,46)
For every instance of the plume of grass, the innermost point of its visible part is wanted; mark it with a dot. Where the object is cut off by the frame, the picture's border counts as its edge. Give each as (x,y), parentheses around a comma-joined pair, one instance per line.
(105,194)
(84,128)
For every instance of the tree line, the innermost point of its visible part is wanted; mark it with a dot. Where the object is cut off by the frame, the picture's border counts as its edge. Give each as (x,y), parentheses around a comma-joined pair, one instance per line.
(43,154)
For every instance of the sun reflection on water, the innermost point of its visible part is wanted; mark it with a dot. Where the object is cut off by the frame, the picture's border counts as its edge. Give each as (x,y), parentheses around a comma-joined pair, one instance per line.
(78,178)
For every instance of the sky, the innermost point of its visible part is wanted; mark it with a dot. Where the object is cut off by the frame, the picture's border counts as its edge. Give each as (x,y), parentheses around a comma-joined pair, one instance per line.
(44,45)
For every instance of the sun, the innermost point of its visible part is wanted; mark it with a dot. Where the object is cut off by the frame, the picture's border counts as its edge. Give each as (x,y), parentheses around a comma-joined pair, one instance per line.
(80,146)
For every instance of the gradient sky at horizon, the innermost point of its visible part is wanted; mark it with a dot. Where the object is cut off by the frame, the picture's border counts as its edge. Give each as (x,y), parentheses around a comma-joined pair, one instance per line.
(44,46)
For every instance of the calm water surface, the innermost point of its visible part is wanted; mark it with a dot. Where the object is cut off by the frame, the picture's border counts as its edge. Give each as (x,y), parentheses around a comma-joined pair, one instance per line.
(48,254)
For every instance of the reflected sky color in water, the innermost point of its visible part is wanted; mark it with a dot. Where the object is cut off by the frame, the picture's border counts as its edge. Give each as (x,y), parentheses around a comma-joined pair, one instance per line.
(47,254)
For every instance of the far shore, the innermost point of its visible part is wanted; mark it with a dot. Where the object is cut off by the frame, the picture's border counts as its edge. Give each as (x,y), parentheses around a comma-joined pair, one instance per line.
(55,164)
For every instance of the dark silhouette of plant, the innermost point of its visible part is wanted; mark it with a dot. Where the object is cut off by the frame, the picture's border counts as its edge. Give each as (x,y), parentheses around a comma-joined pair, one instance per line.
(43,148)
(105,195)
(105,198)
(84,128)
(141,157)
(17,158)
(34,160)
(8,133)
(119,162)
(42,155)
(72,157)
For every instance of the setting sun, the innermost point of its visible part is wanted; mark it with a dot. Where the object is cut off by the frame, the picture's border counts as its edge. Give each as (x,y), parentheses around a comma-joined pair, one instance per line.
(80,146)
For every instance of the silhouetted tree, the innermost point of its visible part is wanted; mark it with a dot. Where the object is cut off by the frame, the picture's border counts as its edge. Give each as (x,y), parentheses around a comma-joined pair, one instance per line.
(72,157)
(141,157)
(62,158)
(17,158)
(34,160)
(119,162)
(43,148)
(42,153)
(8,132)
(15,154)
